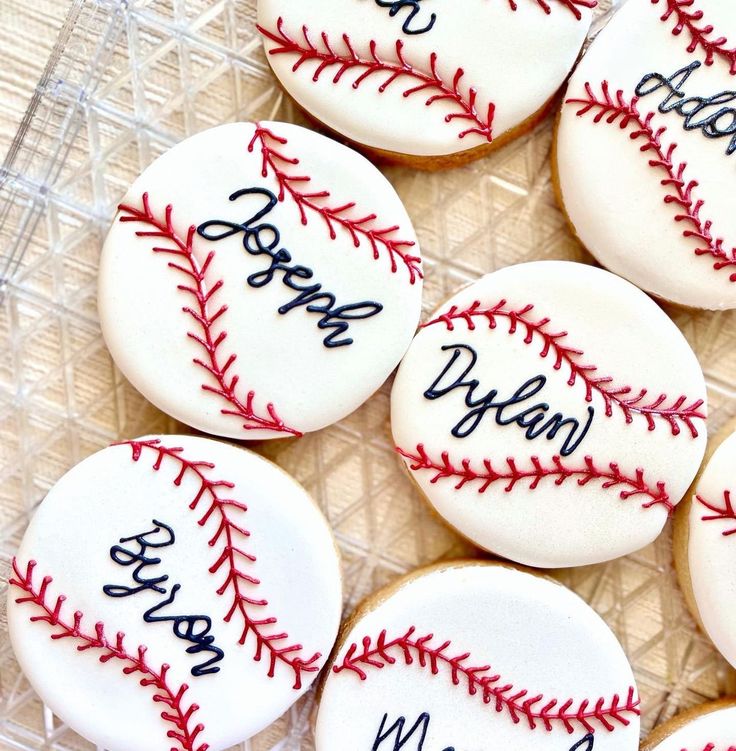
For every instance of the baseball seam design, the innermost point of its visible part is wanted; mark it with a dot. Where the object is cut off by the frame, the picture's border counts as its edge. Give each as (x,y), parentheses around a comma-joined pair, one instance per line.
(207,339)
(689,20)
(680,190)
(423,82)
(180,715)
(727,512)
(611,477)
(278,163)
(519,704)
(674,414)
(228,535)
(572,5)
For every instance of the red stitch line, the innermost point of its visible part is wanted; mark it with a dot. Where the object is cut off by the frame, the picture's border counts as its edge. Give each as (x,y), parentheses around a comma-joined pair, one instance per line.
(569,356)
(427,82)
(173,698)
(725,513)
(208,340)
(682,191)
(612,477)
(572,5)
(272,158)
(699,35)
(229,557)
(493,689)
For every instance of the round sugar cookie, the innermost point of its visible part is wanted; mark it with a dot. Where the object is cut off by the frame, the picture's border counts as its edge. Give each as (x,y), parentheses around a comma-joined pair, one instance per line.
(710,727)
(705,546)
(249,270)
(451,657)
(174,592)
(552,413)
(646,149)
(424,82)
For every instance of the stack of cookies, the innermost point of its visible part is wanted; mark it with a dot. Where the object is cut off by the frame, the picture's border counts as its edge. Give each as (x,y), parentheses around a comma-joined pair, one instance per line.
(263,280)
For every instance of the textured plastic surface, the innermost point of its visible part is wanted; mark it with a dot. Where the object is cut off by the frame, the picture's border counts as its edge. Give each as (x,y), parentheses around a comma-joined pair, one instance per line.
(126,82)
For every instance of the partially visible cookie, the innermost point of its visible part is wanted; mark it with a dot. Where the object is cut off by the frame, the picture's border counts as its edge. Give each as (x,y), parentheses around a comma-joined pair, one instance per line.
(423,82)
(174,592)
(552,413)
(710,727)
(259,281)
(705,545)
(646,149)
(472,655)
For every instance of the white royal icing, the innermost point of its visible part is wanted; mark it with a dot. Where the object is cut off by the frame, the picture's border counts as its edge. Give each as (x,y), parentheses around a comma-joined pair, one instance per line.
(714,731)
(147,307)
(613,195)
(109,496)
(712,550)
(540,520)
(495,614)
(513,59)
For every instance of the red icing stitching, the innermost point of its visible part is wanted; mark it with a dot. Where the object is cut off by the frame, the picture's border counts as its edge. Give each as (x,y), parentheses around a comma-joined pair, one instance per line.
(350,60)
(210,342)
(572,5)
(312,201)
(681,190)
(518,703)
(227,536)
(178,714)
(727,512)
(611,477)
(689,20)
(673,414)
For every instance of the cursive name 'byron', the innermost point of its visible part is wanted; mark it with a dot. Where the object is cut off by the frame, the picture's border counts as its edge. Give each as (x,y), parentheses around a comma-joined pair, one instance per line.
(714,116)
(414,8)
(533,418)
(133,552)
(396,737)
(263,239)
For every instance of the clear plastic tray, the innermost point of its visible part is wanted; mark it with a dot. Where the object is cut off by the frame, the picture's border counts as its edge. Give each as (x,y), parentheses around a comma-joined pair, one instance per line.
(125,82)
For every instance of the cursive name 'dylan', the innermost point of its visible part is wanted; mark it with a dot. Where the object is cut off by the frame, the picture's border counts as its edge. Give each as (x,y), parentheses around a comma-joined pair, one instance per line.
(709,114)
(414,8)
(263,239)
(195,629)
(534,419)
(396,737)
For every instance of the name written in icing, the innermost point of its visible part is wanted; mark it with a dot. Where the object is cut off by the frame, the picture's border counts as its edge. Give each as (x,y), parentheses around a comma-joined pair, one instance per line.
(534,419)
(263,239)
(707,114)
(394,738)
(195,629)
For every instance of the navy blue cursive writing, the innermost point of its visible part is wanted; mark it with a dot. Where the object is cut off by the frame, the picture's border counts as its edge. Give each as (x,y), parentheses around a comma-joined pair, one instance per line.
(705,113)
(415,9)
(534,418)
(396,737)
(195,629)
(263,239)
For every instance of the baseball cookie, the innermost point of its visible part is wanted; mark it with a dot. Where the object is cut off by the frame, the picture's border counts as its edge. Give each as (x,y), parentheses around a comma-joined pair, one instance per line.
(451,658)
(174,592)
(551,413)
(711,727)
(705,548)
(424,82)
(259,281)
(645,149)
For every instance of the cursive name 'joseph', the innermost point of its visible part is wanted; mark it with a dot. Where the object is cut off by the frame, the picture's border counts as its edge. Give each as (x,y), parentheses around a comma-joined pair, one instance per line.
(518,409)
